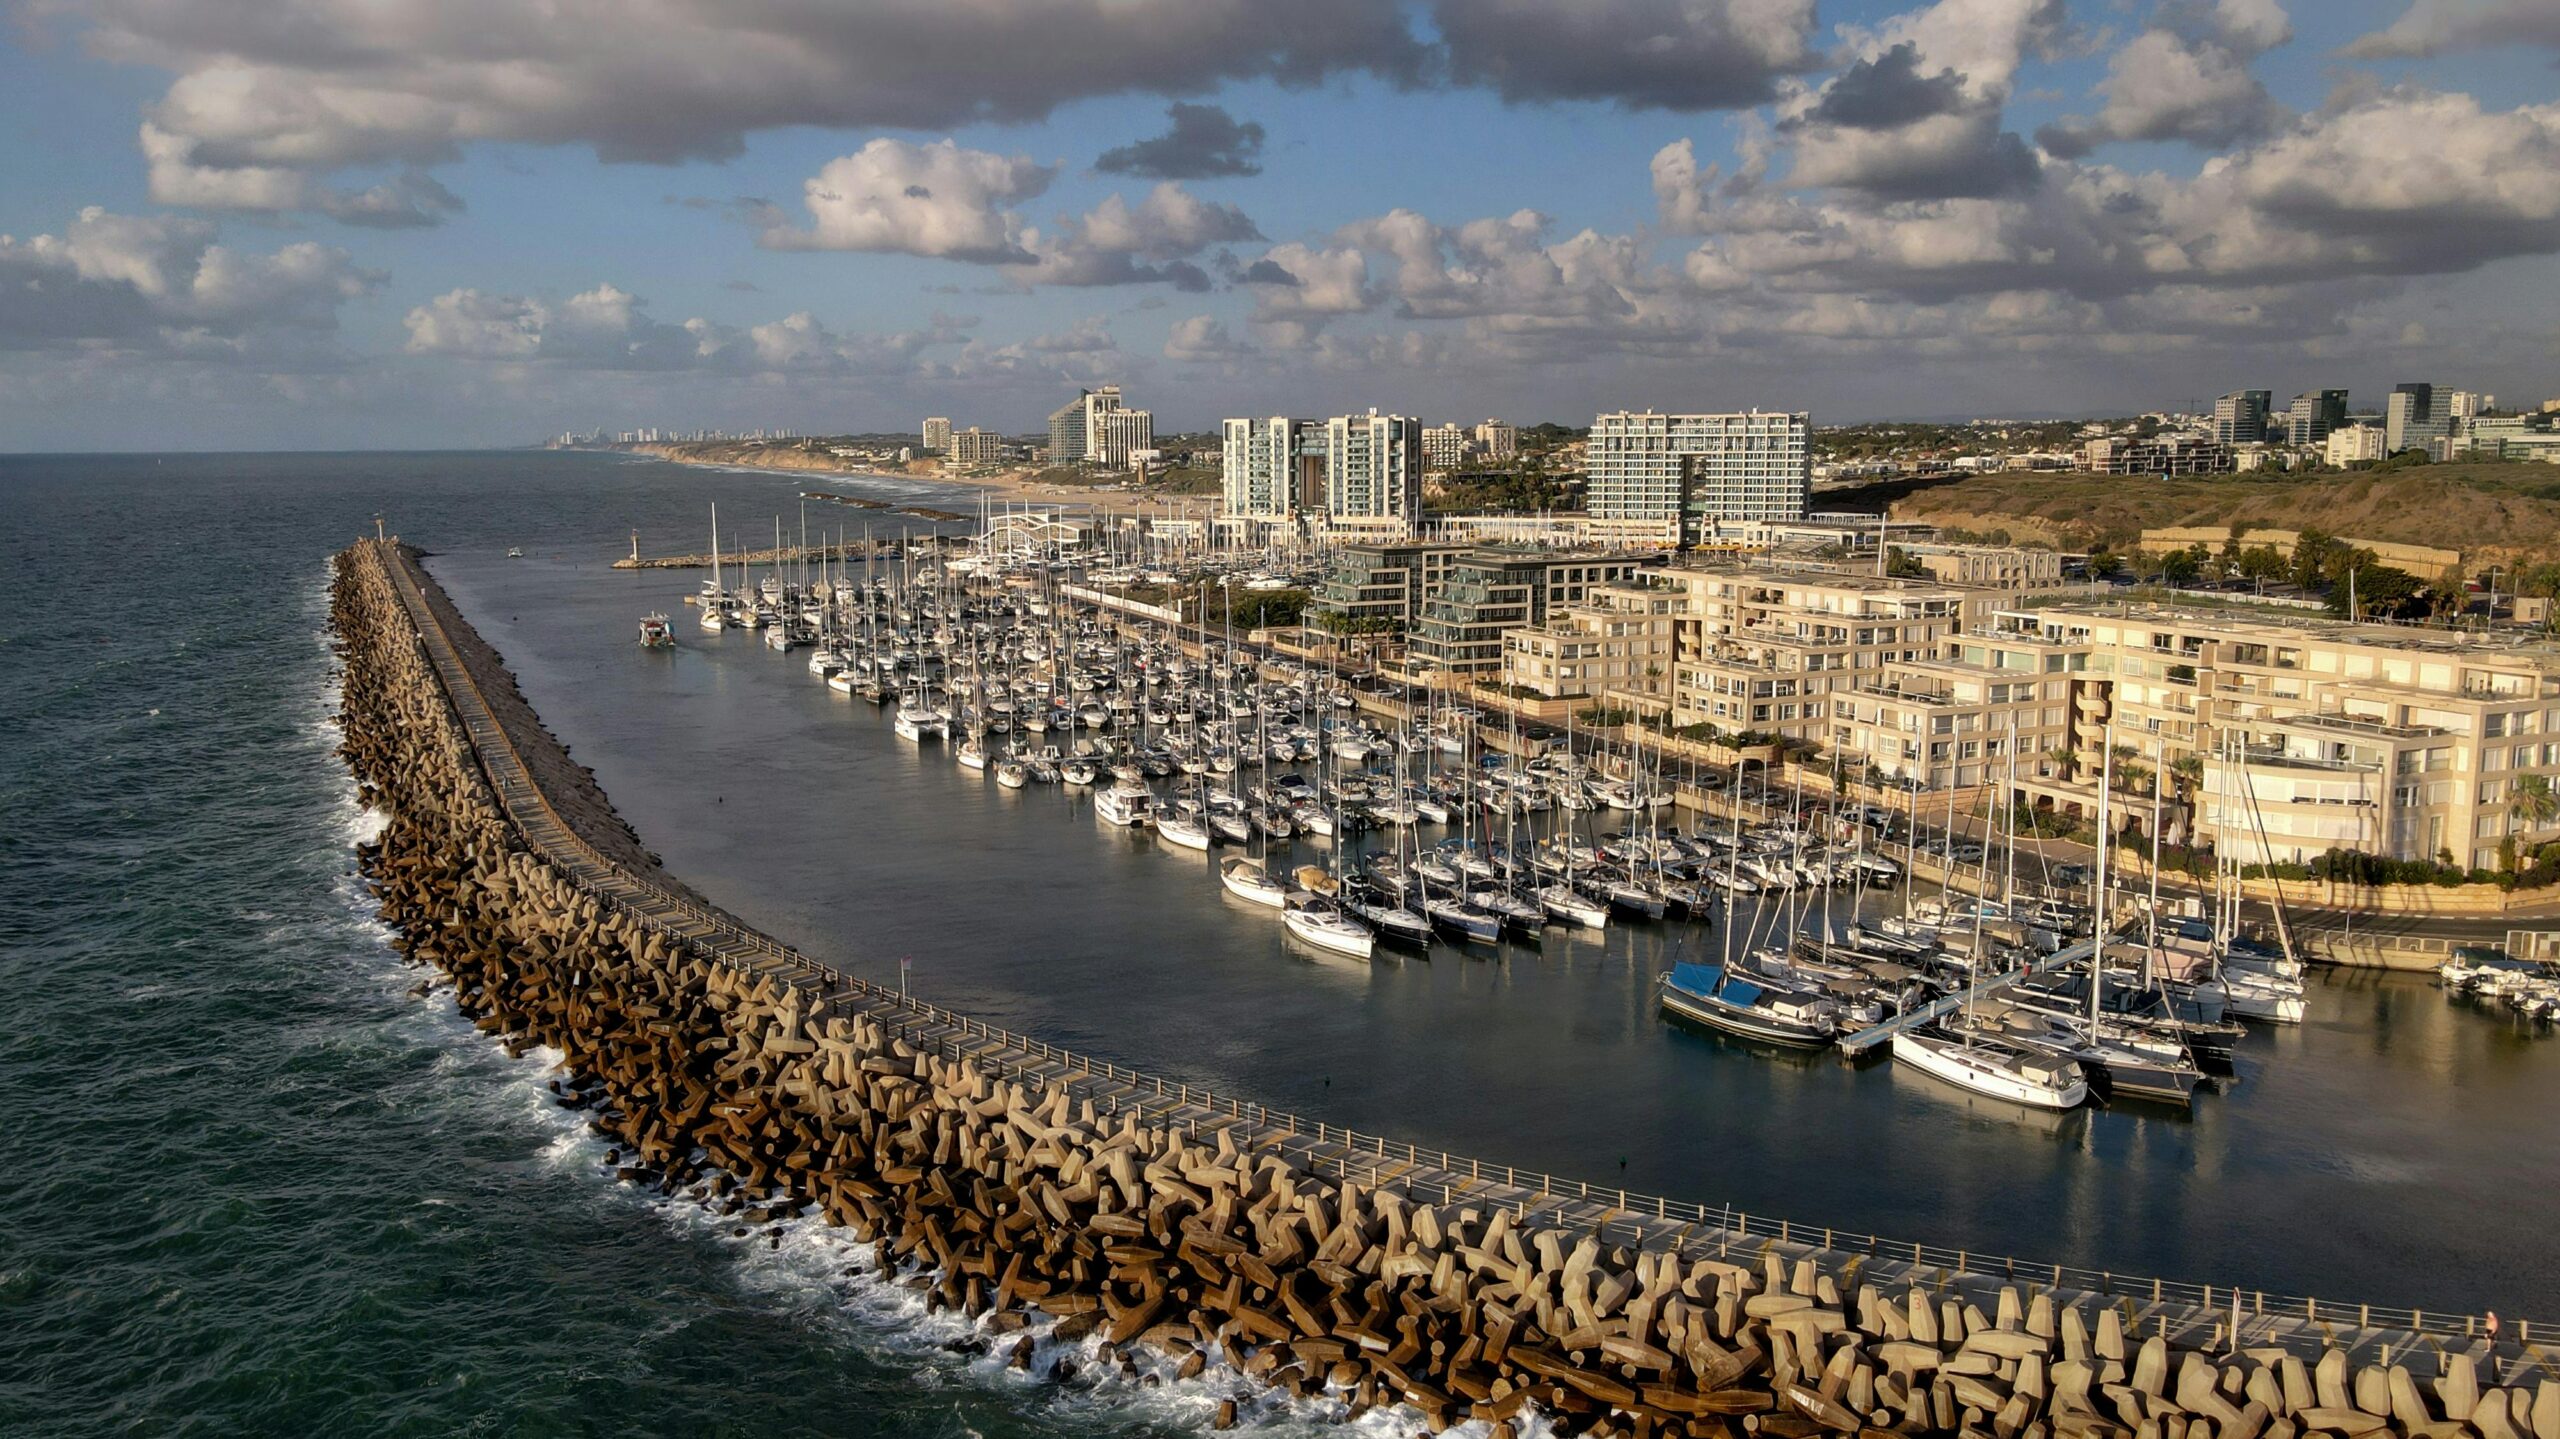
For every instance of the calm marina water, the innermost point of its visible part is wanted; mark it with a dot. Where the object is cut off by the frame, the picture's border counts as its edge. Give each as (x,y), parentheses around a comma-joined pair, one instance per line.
(260,1188)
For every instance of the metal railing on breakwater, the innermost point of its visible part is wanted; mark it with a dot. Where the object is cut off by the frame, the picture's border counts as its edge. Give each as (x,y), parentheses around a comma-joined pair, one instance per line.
(2183,1311)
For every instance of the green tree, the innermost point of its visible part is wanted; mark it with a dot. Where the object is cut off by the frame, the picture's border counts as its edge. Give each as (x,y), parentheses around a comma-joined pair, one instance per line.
(2379,591)
(2536,801)
(2180,568)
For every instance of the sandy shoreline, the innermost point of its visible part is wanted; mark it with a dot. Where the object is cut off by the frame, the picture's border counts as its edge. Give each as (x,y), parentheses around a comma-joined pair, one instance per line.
(1009,485)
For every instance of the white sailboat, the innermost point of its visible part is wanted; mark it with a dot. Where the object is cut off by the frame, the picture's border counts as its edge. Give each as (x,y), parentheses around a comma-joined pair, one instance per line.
(1246,879)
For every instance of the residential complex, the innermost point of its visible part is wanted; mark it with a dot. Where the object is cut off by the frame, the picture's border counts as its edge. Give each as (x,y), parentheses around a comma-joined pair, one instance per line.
(1380,586)
(1740,647)
(1497,440)
(2309,734)
(974,446)
(937,434)
(1373,469)
(1443,446)
(1097,428)
(1486,592)
(2161,454)
(1698,468)
(1274,467)
(2353,444)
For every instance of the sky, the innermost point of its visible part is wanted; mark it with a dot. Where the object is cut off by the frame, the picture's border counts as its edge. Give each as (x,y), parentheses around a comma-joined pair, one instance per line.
(234,224)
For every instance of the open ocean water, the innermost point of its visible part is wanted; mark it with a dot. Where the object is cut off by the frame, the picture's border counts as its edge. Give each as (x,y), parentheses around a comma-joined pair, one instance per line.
(255,1186)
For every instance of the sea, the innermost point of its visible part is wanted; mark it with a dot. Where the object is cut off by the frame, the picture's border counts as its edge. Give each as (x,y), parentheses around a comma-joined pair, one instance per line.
(258,1184)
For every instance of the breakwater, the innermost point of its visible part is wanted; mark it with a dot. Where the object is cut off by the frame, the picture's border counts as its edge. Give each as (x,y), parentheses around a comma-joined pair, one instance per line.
(1036,1188)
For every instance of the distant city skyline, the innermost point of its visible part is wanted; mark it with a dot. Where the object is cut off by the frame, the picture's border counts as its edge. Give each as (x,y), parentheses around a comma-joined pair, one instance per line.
(219,235)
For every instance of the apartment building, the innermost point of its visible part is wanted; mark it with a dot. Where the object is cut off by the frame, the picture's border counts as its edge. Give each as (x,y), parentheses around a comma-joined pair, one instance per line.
(2307,733)
(937,434)
(1382,584)
(1274,467)
(974,446)
(1955,720)
(1615,647)
(1443,446)
(2353,444)
(1487,592)
(2165,454)
(1373,468)
(1697,469)
(1740,648)
(1764,650)
(1497,440)
(1116,437)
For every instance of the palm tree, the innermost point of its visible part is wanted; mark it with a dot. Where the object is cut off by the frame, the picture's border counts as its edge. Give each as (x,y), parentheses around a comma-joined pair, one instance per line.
(2535,801)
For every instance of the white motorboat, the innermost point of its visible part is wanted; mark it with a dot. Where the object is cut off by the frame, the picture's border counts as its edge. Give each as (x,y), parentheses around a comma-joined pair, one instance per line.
(1125,805)
(1012,773)
(917,720)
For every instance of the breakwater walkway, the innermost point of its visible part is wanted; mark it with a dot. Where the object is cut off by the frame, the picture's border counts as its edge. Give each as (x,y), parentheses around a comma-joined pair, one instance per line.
(1849,1330)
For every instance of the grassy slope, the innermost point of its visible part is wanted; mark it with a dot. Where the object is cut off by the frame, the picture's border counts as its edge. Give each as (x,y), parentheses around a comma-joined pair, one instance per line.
(2493,511)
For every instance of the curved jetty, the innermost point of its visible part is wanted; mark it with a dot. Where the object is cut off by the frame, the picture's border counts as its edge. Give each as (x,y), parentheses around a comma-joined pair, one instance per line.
(1032,1188)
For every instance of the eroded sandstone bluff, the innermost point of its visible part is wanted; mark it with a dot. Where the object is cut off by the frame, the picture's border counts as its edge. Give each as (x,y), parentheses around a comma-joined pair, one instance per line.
(1026,1208)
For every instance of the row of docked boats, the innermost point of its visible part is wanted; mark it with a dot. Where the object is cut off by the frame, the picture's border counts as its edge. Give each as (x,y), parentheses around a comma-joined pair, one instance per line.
(2528,989)
(2044,1004)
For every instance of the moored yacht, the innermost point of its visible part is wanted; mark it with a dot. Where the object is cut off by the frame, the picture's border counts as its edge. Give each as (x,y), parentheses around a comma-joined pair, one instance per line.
(1248,880)
(1994,1069)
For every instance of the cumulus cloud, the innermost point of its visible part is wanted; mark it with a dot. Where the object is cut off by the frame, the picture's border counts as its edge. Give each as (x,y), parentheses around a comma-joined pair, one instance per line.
(1917,113)
(1642,54)
(267,93)
(2404,182)
(946,202)
(608,328)
(165,285)
(1203,340)
(2436,27)
(1117,243)
(1297,281)
(2186,79)
(1205,143)
(1501,266)
(937,200)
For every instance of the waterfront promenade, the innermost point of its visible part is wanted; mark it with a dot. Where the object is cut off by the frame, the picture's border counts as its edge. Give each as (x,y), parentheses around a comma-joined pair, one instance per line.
(2191,1314)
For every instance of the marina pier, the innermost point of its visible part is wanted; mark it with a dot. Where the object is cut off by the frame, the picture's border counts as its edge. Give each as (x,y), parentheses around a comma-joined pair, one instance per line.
(1030,1185)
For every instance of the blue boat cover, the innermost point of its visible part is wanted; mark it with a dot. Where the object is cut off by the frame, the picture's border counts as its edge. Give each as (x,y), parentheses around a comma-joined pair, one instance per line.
(1702,979)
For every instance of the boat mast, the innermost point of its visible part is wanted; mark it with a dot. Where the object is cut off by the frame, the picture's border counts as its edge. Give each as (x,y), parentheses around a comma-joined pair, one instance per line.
(2098,881)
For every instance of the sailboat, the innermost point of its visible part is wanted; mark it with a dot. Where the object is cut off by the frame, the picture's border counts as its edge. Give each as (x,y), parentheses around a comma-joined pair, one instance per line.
(1996,1068)
(1748,1008)
(714,599)
(1246,879)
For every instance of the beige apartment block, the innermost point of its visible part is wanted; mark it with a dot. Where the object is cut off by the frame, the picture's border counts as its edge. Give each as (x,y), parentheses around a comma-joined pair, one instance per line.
(1740,648)
(1953,722)
(2306,734)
